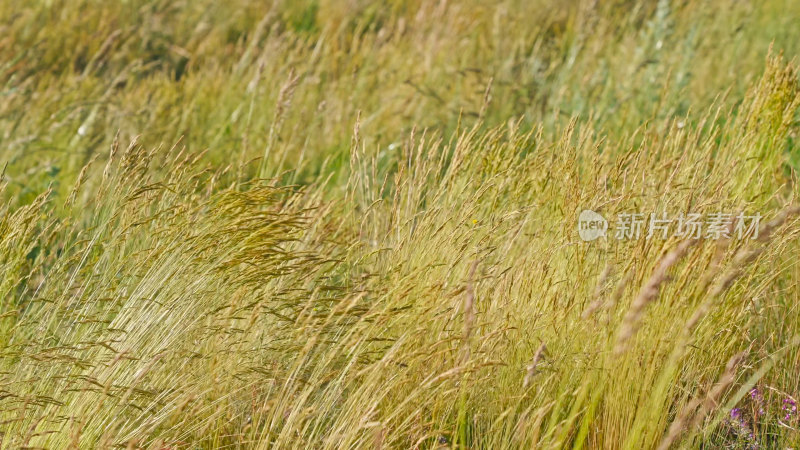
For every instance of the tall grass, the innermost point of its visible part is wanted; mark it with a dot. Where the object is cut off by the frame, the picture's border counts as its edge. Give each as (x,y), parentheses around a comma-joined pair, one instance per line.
(350,225)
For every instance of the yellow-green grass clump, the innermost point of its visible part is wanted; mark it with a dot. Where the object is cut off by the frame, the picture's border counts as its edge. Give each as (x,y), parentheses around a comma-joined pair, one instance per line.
(343,225)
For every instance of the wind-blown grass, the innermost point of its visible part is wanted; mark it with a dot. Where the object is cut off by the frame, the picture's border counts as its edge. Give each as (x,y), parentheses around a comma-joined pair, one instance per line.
(331,225)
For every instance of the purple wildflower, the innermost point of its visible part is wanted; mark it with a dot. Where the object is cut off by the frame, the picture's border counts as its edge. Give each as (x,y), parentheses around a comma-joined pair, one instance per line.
(789,408)
(741,427)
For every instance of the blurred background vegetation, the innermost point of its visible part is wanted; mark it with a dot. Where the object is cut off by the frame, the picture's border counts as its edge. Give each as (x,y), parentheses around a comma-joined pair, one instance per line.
(216,75)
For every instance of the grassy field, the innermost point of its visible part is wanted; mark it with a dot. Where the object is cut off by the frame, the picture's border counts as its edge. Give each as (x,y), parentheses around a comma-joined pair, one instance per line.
(352,224)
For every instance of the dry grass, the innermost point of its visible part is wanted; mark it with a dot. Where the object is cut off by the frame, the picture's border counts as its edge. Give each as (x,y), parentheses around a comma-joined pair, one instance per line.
(333,224)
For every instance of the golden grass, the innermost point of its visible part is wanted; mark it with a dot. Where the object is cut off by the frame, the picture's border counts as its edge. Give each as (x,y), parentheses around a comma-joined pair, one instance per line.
(343,225)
